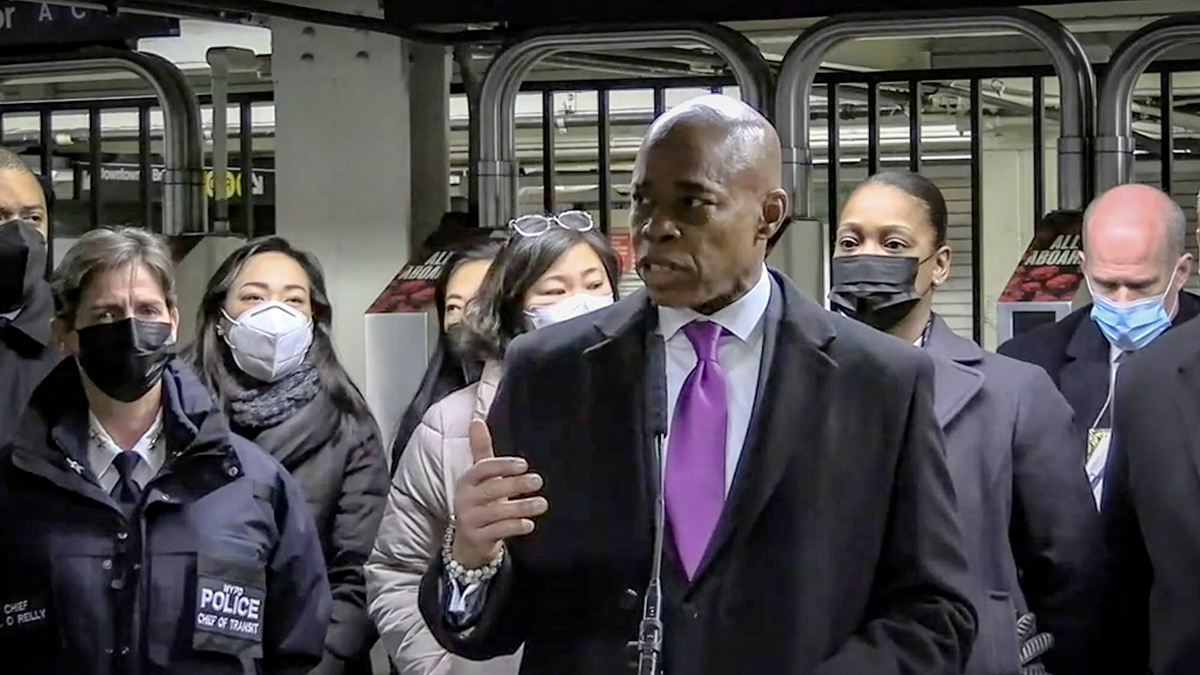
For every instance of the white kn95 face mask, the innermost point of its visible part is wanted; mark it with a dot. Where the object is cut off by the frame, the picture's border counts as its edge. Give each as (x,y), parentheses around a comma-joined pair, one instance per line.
(269,340)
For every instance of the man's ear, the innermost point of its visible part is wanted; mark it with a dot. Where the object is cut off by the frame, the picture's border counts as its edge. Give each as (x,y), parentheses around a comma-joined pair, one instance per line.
(174,324)
(775,210)
(1183,270)
(63,337)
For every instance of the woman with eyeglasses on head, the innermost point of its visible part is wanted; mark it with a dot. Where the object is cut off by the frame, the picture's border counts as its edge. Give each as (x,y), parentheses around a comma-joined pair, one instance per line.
(449,369)
(265,350)
(554,268)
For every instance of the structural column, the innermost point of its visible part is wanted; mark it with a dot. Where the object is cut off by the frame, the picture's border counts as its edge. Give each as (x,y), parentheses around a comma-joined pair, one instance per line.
(429,115)
(342,145)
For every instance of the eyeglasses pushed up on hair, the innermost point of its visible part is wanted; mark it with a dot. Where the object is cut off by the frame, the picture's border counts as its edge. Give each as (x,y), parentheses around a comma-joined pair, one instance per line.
(536,224)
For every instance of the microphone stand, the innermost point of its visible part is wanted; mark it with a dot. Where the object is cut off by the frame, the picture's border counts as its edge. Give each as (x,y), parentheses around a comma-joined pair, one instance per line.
(650,631)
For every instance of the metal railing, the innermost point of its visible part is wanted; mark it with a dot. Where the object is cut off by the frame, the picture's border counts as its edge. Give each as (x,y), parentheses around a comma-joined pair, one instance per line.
(497,171)
(184,207)
(42,136)
(1115,142)
(804,59)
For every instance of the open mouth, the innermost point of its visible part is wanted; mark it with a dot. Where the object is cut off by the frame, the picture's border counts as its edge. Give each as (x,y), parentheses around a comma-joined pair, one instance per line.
(658,266)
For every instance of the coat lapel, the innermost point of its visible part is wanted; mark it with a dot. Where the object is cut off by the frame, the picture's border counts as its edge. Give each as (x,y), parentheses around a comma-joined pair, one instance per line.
(1186,397)
(788,420)
(1084,377)
(956,377)
(615,371)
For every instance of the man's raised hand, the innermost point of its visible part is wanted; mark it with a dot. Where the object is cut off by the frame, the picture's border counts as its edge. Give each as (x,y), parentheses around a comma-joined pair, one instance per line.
(491,501)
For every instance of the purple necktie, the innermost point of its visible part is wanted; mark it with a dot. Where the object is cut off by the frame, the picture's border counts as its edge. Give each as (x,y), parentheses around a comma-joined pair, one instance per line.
(695,475)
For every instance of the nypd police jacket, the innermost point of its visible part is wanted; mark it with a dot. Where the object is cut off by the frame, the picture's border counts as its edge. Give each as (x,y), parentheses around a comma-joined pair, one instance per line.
(218,570)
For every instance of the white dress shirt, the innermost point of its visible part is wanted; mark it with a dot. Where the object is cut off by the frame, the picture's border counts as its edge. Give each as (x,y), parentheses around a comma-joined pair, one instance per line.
(102,450)
(739,352)
(10,315)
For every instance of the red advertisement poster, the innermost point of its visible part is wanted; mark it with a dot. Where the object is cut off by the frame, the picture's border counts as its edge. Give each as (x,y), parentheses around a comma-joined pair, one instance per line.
(623,246)
(1049,269)
(412,289)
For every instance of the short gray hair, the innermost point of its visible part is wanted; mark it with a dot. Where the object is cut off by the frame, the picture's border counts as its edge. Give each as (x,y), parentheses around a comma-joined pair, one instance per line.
(106,249)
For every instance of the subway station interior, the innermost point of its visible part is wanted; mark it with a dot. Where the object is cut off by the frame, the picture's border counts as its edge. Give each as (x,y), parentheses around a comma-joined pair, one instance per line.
(352,126)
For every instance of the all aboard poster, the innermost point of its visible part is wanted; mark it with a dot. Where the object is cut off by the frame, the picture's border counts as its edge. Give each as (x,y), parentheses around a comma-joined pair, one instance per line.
(411,290)
(1049,270)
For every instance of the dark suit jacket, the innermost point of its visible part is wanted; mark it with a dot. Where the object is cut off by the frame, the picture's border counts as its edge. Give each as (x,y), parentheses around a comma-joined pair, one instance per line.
(1076,355)
(839,551)
(1029,521)
(1151,510)
(26,358)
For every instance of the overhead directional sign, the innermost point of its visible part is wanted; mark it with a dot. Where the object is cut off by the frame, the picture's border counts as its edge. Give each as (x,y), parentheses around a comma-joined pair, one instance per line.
(43,23)
(546,13)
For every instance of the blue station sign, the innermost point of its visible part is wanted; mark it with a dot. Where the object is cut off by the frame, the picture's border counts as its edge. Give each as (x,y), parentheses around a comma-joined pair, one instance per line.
(47,24)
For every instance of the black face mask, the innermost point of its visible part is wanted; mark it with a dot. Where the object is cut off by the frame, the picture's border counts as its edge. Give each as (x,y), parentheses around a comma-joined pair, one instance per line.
(22,263)
(456,347)
(878,290)
(127,358)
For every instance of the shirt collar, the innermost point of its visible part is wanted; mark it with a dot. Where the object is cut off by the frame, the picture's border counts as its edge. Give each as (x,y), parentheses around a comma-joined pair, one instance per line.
(739,318)
(11,315)
(102,449)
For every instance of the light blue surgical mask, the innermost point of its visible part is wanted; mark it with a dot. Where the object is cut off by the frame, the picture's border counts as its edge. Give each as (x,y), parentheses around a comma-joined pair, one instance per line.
(1130,326)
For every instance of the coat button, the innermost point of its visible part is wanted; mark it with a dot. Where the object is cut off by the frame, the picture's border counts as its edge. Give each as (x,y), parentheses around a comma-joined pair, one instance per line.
(689,611)
(122,536)
(629,600)
(117,584)
(107,564)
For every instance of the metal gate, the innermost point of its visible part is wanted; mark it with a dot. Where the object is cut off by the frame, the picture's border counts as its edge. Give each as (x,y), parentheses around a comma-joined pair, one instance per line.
(108,161)
(575,141)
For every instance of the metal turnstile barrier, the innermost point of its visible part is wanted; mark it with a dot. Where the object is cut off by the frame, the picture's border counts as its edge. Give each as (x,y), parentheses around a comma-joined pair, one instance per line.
(1115,141)
(496,172)
(807,244)
(184,205)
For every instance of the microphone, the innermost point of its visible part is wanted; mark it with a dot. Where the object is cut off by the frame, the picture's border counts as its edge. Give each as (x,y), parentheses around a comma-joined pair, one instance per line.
(650,631)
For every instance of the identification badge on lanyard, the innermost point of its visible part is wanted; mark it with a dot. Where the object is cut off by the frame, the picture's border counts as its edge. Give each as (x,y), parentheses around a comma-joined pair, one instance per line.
(1096,438)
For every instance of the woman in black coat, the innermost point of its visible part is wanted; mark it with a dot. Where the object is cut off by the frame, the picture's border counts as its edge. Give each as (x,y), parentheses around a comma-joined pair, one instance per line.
(264,349)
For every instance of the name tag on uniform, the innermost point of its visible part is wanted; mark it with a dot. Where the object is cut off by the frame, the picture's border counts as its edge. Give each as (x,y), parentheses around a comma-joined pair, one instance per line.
(22,613)
(230,604)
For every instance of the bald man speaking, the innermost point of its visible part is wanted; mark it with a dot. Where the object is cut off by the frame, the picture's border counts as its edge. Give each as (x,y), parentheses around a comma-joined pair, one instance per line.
(807,522)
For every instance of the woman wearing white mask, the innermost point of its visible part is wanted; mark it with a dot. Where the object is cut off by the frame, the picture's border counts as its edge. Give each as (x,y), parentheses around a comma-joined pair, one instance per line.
(553,269)
(264,349)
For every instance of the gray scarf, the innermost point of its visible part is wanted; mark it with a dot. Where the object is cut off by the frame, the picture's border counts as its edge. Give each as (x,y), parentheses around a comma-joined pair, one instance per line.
(267,404)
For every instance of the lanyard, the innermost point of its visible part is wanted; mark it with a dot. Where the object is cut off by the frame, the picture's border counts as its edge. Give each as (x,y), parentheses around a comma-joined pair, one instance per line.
(924,341)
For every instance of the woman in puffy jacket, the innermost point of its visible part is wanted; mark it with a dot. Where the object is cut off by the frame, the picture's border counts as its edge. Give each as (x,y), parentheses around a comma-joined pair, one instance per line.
(553,269)
(265,350)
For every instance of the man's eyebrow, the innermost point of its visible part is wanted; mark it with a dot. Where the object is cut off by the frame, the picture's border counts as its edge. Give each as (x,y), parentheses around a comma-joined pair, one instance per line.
(691,185)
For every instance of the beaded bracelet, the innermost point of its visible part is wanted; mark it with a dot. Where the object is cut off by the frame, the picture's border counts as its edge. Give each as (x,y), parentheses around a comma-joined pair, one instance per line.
(461,574)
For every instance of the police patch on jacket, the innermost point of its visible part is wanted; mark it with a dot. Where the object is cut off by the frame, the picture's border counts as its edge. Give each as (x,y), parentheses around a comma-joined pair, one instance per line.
(230,603)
